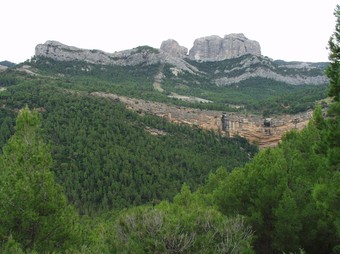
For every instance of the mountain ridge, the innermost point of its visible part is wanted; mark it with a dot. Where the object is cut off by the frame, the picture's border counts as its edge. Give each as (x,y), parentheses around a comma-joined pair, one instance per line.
(210,50)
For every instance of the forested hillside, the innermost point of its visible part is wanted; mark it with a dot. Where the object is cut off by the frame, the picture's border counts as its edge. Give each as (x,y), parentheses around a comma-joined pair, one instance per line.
(35,216)
(81,174)
(257,95)
(289,196)
(105,156)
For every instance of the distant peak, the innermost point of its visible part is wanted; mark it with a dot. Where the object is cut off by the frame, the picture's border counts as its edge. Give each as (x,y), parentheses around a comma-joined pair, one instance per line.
(173,48)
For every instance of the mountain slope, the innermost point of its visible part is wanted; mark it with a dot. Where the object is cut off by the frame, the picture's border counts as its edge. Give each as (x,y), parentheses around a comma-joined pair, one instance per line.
(165,82)
(106,156)
(234,69)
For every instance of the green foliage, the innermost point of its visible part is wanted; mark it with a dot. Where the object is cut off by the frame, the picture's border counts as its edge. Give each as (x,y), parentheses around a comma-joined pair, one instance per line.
(235,66)
(181,228)
(124,80)
(290,194)
(34,213)
(104,158)
(7,122)
(287,223)
(11,247)
(255,94)
(185,226)
(327,195)
(334,135)
(333,73)
(280,193)
(8,79)
(333,70)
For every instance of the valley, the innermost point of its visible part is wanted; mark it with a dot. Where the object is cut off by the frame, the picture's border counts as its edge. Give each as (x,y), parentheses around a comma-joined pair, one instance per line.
(195,88)
(169,150)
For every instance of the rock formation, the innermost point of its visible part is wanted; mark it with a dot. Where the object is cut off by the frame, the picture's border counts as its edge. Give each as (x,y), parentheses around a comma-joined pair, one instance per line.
(251,127)
(215,48)
(250,62)
(173,48)
(294,73)
(140,55)
(61,52)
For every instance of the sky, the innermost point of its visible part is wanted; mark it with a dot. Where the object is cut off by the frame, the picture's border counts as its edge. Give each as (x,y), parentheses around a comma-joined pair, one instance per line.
(290,30)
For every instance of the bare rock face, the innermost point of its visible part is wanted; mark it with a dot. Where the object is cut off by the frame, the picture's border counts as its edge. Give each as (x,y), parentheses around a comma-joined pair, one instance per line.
(173,48)
(215,48)
(211,48)
(252,127)
(140,55)
(62,52)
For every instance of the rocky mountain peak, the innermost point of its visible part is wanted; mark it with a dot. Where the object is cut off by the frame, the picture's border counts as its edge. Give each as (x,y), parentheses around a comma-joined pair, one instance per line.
(173,48)
(215,48)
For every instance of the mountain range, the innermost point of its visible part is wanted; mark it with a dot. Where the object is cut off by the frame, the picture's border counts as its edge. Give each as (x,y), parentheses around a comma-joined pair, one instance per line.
(226,61)
(216,75)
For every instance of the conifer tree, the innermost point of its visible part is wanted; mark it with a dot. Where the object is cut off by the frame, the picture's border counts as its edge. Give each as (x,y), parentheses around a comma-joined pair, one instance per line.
(333,71)
(33,209)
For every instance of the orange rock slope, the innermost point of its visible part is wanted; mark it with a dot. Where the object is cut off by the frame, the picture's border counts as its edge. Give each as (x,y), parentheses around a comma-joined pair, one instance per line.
(264,132)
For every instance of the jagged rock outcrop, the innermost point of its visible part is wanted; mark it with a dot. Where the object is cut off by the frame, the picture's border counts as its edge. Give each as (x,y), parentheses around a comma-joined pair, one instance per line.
(173,48)
(140,55)
(215,48)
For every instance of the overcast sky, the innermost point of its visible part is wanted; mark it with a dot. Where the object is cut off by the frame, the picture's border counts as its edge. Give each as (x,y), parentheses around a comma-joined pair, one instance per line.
(286,29)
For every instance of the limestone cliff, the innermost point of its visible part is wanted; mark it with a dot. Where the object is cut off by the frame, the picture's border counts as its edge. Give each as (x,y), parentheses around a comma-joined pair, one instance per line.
(215,48)
(173,48)
(224,61)
(132,57)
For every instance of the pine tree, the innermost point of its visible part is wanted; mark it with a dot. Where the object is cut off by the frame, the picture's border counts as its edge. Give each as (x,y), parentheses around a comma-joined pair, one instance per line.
(327,195)
(333,71)
(33,209)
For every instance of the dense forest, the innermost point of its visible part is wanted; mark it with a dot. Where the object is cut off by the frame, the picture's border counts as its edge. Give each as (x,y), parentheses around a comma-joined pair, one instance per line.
(79,174)
(106,158)
(257,94)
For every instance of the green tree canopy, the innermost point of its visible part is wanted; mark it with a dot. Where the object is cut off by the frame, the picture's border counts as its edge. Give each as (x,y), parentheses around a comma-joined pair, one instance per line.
(33,209)
(184,226)
(333,71)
